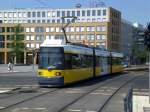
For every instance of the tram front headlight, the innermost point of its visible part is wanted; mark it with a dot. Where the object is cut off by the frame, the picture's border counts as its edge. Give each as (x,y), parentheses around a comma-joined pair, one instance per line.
(58,74)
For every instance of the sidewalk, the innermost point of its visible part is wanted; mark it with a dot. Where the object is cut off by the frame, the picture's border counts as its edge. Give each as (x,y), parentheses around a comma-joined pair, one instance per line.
(25,68)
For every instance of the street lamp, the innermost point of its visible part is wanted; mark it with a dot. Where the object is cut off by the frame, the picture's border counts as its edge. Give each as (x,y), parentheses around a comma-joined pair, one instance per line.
(34,52)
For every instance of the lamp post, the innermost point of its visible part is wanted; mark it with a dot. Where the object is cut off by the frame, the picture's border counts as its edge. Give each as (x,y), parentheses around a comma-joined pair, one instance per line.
(95,39)
(33,57)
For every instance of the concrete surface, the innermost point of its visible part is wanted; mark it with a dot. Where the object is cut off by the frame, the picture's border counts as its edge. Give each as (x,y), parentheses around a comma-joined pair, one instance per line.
(24,68)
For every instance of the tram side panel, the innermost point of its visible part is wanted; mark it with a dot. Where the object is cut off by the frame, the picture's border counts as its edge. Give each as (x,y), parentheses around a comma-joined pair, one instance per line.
(77,67)
(116,65)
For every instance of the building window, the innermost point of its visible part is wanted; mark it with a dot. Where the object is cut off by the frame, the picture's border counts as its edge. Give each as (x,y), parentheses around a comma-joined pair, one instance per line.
(90,37)
(58,13)
(59,37)
(82,29)
(72,37)
(27,29)
(82,37)
(1,14)
(83,13)
(77,29)
(43,14)
(28,45)
(5,14)
(72,29)
(47,29)
(38,14)
(68,29)
(88,13)
(39,37)
(53,14)
(15,15)
(99,19)
(58,20)
(10,14)
(57,29)
(33,14)
(32,37)
(27,37)
(49,14)
(68,13)
(104,12)
(103,28)
(32,45)
(53,20)
(63,13)
(29,14)
(77,37)
(37,45)
(48,21)
(78,13)
(43,21)
(29,21)
(24,15)
(90,28)
(39,29)
(52,29)
(93,13)
(103,37)
(2,38)
(33,21)
(20,14)
(32,30)
(48,37)
(73,13)
(99,37)
(99,28)
(93,20)
(38,21)
(99,12)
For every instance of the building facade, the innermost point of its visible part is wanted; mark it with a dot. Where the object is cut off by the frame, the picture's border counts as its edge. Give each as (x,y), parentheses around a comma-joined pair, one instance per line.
(93,26)
(126,39)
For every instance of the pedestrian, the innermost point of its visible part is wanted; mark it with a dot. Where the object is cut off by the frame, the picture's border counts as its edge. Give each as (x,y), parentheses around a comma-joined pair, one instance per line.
(9,66)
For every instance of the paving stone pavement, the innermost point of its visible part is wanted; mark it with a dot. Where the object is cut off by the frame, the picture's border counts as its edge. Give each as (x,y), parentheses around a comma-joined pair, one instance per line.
(22,68)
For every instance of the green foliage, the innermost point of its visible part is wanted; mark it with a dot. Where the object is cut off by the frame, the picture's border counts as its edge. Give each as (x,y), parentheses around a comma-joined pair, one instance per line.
(140,55)
(17,43)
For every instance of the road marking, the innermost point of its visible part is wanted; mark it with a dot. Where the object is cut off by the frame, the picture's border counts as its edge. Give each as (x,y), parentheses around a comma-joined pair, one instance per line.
(90,111)
(72,110)
(2,107)
(26,109)
(98,93)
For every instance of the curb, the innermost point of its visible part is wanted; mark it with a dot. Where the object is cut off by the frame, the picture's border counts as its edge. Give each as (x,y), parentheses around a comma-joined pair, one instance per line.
(136,69)
(16,72)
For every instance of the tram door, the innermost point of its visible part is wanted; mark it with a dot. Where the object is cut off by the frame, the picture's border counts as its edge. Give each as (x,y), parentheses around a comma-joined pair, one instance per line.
(104,65)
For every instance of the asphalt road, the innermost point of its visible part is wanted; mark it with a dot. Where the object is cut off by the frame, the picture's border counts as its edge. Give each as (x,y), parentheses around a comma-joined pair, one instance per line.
(87,96)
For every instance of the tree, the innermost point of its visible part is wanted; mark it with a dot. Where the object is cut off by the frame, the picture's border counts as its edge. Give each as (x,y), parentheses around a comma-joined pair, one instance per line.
(17,44)
(139,53)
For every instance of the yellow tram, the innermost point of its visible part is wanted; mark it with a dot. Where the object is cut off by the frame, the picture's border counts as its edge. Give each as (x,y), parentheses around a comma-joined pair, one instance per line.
(61,64)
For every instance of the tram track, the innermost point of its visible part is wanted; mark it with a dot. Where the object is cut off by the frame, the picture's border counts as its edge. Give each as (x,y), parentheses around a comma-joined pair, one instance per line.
(27,99)
(104,105)
(66,107)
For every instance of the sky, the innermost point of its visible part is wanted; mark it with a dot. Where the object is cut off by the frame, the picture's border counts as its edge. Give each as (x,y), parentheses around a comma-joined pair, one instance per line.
(132,10)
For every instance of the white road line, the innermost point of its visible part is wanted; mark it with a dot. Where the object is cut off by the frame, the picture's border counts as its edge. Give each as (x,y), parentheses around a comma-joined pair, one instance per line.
(2,107)
(4,91)
(72,110)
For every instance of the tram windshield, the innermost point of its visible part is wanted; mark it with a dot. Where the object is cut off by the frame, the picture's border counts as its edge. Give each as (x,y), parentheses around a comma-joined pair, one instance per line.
(51,58)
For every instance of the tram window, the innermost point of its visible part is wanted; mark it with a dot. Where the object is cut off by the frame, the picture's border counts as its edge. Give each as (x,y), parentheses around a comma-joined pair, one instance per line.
(83,61)
(97,61)
(89,61)
(116,61)
(68,63)
(76,61)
